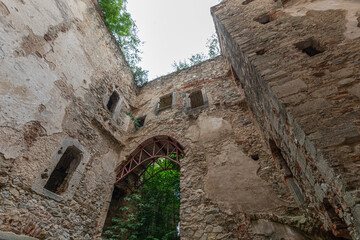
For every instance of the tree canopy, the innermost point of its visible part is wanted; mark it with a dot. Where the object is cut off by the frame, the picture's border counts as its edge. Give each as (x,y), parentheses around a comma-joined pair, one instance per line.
(123,27)
(213,51)
(153,211)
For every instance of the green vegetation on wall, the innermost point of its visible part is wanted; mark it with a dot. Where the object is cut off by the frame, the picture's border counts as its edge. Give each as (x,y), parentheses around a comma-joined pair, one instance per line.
(122,26)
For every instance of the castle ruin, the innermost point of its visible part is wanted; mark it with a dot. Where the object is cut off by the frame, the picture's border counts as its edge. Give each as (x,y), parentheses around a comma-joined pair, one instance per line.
(269,131)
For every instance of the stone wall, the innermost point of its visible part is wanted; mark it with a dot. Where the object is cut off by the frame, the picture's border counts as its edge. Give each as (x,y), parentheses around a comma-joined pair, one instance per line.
(229,181)
(58,68)
(298,62)
(290,76)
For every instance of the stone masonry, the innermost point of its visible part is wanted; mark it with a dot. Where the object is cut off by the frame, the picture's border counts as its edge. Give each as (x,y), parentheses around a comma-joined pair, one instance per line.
(306,103)
(270,130)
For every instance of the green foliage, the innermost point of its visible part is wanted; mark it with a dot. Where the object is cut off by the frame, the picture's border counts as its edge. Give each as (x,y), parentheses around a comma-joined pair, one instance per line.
(213,46)
(213,51)
(153,211)
(120,23)
(136,121)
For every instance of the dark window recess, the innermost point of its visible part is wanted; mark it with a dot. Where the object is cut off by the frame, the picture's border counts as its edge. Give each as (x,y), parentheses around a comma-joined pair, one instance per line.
(165,102)
(255,157)
(246,2)
(117,200)
(284,1)
(263,18)
(260,52)
(310,47)
(113,100)
(141,121)
(60,177)
(196,99)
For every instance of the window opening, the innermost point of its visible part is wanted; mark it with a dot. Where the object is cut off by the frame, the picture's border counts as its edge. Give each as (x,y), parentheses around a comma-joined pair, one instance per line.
(60,177)
(113,100)
(263,18)
(255,157)
(196,99)
(165,102)
(141,121)
(246,2)
(310,47)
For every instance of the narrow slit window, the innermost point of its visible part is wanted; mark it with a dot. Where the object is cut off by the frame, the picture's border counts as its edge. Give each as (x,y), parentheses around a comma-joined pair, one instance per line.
(60,177)
(113,100)
(196,99)
(165,102)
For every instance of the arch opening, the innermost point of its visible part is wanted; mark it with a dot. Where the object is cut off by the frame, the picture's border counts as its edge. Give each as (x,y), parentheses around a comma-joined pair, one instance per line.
(160,151)
(150,185)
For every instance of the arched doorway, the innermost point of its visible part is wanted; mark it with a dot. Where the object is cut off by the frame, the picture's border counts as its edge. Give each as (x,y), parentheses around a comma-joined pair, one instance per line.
(146,164)
(150,153)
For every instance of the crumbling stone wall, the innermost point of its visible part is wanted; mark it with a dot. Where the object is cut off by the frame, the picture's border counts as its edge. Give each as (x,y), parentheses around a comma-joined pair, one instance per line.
(293,68)
(230,188)
(58,67)
(306,103)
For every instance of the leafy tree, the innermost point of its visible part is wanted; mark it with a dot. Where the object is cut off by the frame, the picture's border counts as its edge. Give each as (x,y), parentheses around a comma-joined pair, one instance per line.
(120,23)
(213,51)
(153,211)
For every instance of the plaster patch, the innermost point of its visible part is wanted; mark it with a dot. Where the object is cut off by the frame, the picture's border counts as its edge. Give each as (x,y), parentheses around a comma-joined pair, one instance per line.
(350,6)
(232,182)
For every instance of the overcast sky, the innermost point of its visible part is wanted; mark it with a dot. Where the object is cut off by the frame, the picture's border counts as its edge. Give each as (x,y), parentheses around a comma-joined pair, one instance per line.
(171,30)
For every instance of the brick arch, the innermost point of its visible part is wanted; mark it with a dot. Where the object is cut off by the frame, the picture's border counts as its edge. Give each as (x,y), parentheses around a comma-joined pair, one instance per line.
(148,153)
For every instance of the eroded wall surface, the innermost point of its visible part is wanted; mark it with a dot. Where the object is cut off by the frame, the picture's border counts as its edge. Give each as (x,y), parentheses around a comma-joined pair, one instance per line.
(225,193)
(58,67)
(306,103)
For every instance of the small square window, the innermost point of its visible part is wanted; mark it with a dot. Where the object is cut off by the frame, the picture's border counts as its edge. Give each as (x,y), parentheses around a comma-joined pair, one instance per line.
(263,18)
(165,102)
(196,99)
(310,47)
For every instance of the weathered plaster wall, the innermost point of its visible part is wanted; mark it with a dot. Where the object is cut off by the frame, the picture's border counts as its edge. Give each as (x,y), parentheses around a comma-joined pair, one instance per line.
(222,187)
(58,67)
(307,107)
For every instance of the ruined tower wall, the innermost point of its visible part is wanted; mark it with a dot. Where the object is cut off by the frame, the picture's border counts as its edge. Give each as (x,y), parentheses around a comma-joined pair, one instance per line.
(307,106)
(222,186)
(59,66)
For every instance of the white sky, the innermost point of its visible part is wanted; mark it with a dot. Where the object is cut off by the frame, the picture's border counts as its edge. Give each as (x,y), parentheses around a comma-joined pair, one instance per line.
(171,30)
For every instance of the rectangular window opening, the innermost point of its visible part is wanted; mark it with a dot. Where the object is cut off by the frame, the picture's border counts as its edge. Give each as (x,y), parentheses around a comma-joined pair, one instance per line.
(196,99)
(113,100)
(141,121)
(310,47)
(165,102)
(60,177)
(263,18)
